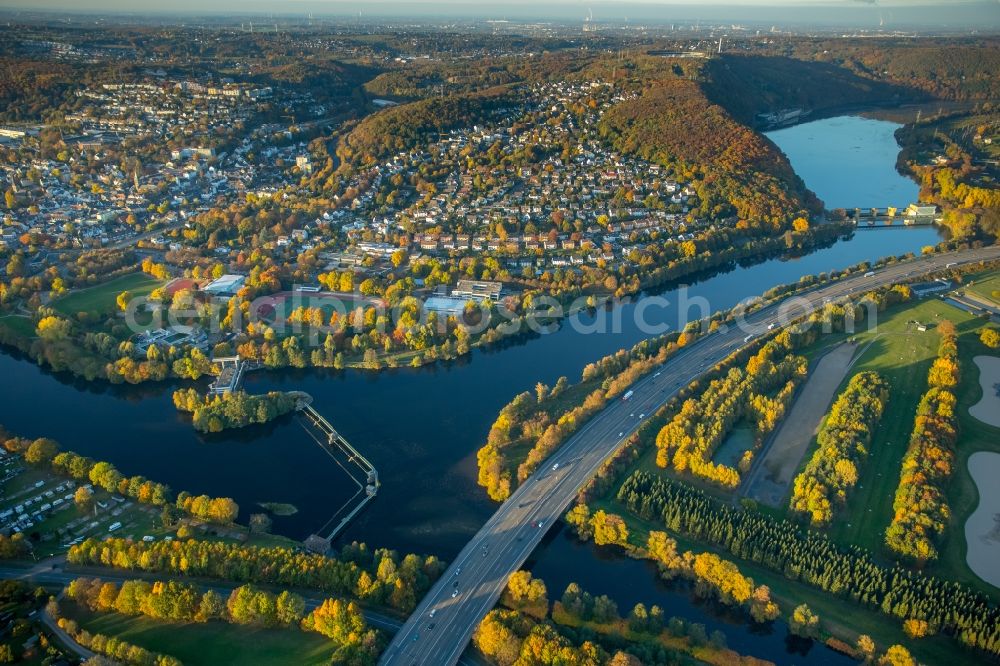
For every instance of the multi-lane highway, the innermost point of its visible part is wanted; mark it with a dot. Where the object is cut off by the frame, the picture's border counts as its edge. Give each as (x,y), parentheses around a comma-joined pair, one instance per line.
(442,625)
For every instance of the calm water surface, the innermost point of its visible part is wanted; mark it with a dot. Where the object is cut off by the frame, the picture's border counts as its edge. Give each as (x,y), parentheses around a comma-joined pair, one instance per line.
(849,161)
(562,560)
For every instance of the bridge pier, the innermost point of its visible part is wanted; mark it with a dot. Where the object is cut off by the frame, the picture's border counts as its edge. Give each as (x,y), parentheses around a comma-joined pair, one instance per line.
(317,544)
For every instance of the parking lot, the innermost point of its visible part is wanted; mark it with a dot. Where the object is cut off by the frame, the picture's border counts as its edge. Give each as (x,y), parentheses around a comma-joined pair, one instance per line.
(41,505)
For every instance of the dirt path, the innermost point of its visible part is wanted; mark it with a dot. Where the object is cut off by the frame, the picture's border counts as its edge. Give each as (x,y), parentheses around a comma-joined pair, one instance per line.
(769,481)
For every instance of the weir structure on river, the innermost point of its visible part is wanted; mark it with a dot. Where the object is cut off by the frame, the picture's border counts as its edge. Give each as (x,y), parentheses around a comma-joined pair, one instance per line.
(337,448)
(231,369)
(890,216)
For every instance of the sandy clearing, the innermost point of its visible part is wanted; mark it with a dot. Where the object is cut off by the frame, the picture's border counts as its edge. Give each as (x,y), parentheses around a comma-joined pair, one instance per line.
(987,409)
(770,479)
(982,529)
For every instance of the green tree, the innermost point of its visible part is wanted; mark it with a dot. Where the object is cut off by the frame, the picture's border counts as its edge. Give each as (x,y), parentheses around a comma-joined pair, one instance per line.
(211,607)
(290,608)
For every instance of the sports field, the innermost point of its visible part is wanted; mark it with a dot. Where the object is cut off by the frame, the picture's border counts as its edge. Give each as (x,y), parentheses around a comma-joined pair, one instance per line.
(101,298)
(278,307)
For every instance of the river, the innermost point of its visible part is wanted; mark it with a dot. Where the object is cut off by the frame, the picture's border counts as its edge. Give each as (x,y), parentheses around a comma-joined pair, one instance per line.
(420,427)
(849,161)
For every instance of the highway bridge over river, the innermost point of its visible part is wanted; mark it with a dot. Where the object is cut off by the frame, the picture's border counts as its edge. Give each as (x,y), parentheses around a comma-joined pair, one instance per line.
(440,628)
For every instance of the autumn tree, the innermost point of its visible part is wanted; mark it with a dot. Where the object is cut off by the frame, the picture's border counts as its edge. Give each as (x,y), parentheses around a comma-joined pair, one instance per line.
(762,608)
(527,594)
(608,529)
(84,499)
(804,622)
(123,300)
(41,452)
(496,640)
(897,655)
(866,647)
(579,519)
(920,509)
(990,337)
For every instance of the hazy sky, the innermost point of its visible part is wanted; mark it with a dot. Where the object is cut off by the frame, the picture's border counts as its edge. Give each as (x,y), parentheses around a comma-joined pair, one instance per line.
(339,5)
(983,15)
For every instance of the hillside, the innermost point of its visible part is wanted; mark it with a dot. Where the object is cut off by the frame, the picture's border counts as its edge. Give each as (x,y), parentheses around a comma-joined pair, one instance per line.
(672,122)
(750,84)
(402,127)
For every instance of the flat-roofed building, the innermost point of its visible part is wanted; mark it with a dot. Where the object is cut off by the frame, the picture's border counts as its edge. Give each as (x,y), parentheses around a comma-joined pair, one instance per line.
(477,290)
(446,304)
(225,286)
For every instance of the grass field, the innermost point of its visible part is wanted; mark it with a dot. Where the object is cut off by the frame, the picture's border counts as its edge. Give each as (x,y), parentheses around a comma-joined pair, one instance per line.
(212,643)
(901,353)
(974,435)
(19,325)
(101,298)
(327,303)
(986,286)
(838,617)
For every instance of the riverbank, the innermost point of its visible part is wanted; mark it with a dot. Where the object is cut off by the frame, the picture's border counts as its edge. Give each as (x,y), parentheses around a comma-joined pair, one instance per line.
(425,453)
(844,158)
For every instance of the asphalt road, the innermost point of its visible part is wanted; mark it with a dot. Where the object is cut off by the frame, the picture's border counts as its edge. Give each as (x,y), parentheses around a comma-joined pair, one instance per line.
(442,625)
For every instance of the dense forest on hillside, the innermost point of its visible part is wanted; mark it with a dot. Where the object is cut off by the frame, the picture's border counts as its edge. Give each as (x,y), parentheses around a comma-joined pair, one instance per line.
(402,127)
(672,122)
(750,84)
(29,89)
(424,80)
(942,69)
